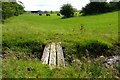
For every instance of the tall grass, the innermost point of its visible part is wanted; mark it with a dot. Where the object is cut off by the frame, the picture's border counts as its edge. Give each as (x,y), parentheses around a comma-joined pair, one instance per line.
(26,67)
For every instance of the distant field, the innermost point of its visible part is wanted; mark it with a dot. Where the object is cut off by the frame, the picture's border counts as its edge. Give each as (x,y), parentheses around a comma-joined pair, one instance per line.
(32,27)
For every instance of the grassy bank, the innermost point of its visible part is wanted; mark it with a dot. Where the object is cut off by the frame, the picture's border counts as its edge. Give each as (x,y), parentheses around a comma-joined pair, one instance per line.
(27,34)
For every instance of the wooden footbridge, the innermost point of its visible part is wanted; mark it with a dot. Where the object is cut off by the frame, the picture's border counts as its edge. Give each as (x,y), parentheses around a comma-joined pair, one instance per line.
(53,55)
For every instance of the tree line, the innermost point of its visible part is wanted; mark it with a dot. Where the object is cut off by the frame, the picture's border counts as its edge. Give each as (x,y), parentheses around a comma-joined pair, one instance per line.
(10,9)
(100,7)
(91,8)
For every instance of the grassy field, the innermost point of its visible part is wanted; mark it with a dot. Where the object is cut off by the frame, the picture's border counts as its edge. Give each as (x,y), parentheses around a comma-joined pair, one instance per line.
(102,27)
(28,33)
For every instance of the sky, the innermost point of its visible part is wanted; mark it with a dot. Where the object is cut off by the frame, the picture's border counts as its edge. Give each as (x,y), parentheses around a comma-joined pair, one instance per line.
(52,5)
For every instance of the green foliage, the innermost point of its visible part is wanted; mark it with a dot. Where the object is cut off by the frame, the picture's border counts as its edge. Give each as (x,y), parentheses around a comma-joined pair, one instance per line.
(96,48)
(67,10)
(95,8)
(86,68)
(95,70)
(10,9)
(118,67)
(114,5)
(93,48)
(13,68)
(30,67)
(100,7)
(35,47)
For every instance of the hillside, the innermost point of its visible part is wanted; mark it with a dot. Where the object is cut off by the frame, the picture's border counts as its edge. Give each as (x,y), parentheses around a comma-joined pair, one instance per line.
(24,38)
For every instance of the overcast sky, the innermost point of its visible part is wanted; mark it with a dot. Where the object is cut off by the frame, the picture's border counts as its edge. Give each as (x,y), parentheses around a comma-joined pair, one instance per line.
(53,5)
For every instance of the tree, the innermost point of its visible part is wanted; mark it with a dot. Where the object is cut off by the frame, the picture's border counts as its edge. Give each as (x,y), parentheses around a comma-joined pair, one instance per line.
(67,10)
(114,5)
(95,8)
(10,9)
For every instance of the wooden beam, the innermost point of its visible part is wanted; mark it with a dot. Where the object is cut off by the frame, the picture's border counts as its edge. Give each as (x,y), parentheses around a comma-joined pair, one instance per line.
(60,56)
(52,61)
(45,57)
(53,55)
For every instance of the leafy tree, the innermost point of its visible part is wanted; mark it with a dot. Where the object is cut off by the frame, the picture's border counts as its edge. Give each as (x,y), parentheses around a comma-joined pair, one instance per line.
(100,7)
(95,8)
(114,5)
(67,10)
(10,9)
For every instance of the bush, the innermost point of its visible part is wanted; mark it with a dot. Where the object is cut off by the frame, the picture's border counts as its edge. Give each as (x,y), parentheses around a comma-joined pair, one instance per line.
(67,10)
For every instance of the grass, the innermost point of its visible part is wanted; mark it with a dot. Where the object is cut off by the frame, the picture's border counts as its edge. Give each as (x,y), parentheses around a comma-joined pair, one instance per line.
(27,34)
(28,31)
(41,28)
(25,67)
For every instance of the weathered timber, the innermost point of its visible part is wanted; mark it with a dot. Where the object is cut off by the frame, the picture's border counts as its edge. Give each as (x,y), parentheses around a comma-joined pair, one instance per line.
(60,56)
(52,61)
(45,57)
(53,55)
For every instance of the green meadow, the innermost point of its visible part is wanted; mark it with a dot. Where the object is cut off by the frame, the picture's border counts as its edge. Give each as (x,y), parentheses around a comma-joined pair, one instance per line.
(24,38)
(26,27)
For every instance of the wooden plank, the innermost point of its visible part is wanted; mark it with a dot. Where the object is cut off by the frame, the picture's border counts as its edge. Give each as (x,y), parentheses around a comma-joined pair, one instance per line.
(60,56)
(52,61)
(45,57)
